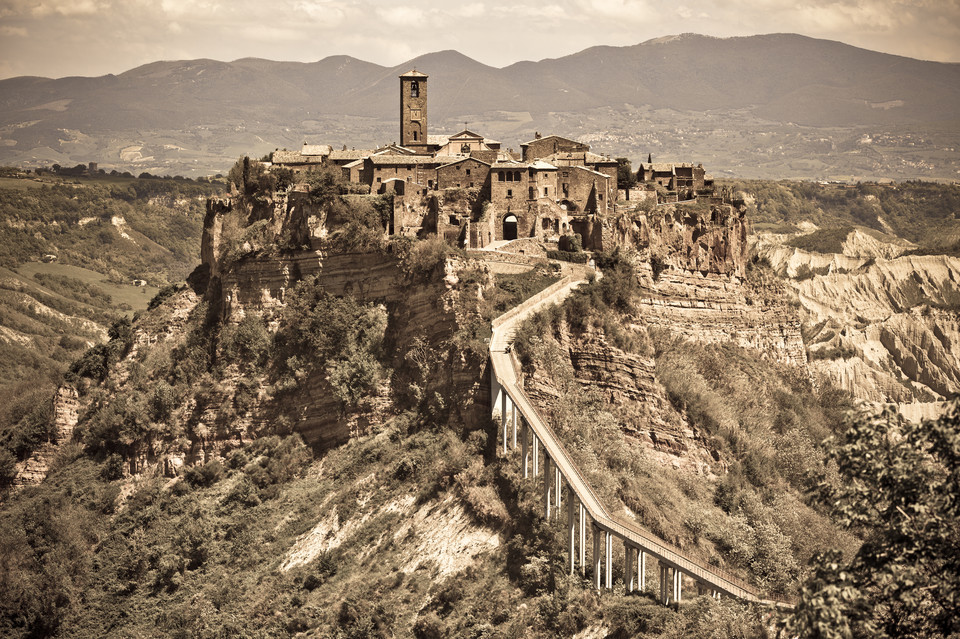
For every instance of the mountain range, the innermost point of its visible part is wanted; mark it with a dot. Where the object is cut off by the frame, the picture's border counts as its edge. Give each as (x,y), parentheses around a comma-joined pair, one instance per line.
(186,114)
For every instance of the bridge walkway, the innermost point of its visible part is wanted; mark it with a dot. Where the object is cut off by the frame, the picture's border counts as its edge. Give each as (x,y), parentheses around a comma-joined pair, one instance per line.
(543,453)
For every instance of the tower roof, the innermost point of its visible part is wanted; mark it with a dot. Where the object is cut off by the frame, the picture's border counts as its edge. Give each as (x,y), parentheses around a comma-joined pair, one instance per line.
(414,74)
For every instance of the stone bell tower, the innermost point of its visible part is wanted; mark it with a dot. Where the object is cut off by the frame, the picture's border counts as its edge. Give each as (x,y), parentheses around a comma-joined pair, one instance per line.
(413,110)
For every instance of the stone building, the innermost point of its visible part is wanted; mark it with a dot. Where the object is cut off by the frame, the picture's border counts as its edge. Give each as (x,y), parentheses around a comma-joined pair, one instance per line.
(463,173)
(541,147)
(413,110)
(552,187)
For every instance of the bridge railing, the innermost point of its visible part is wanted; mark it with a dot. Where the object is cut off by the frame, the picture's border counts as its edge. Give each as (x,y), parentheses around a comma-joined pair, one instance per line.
(625,529)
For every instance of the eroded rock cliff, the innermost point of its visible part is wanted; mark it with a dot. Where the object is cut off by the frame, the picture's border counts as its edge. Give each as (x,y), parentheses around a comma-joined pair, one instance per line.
(884,329)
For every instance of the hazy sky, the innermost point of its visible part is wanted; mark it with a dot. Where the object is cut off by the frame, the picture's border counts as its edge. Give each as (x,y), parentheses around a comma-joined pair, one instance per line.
(57,38)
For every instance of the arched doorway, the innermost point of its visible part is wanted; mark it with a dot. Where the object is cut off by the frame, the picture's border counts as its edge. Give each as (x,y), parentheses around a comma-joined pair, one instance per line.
(510,227)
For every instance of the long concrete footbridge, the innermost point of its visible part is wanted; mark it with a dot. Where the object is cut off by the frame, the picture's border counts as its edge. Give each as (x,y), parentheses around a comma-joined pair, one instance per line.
(566,490)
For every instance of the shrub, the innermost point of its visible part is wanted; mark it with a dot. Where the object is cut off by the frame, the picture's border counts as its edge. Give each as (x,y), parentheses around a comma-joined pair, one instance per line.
(567,256)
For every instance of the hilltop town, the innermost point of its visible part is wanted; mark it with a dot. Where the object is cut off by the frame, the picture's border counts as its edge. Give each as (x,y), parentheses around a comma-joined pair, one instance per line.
(553,187)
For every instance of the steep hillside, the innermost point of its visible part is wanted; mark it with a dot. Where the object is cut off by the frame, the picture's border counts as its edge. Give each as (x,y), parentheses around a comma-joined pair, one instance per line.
(879,314)
(71,254)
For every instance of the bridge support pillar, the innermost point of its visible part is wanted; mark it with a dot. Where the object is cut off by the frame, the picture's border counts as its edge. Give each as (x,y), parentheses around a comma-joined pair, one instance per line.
(664,579)
(641,570)
(524,447)
(536,455)
(557,486)
(504,418)
(547,480)
(583,537)
(571,532)
(596,557)
(608,553)
(513,421)
(628,575)
(677,584)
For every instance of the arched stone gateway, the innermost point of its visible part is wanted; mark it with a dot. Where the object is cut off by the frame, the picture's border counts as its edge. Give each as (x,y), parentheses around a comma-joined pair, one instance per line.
(510,227)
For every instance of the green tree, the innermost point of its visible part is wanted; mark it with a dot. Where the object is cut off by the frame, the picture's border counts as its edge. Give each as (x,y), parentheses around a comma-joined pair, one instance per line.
(626,178)
(900,483)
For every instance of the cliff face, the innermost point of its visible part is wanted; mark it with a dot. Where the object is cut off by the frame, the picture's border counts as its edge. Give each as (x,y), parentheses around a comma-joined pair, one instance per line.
(627,385)
(254,252)
(65,414)
(693,283)
(884,329)
(710,240)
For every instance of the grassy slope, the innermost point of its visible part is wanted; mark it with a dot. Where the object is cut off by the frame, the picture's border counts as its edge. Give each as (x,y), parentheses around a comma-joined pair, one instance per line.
(925,213)
(51,312)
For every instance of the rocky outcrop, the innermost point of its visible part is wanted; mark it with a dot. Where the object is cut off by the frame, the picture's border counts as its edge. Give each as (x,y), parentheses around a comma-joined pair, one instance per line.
(685,238)
(66,408)
(885,329)
(714,307)
(630,391)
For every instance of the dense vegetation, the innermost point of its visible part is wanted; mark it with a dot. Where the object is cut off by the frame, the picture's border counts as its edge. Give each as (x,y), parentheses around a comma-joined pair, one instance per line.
(52,313)
(925,213)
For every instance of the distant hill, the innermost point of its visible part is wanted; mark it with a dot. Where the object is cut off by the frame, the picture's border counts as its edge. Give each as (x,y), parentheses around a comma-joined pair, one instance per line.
(197,110)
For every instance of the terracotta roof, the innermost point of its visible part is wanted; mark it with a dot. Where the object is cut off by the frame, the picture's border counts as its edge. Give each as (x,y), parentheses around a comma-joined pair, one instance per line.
(352,154)
(662,167)
(507,163)
(467,133)
(396,147)
(288,157)
(540,165)
(547,137)
(464,159)
(353,164)
(585,157)
(400,160)
(316,149)
(439,140)
(414,74)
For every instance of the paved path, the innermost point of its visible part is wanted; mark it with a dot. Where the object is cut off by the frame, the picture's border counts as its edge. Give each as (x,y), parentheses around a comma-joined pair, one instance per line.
(507,393)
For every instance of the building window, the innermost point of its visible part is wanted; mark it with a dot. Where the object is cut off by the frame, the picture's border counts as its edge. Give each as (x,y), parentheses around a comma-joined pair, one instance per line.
(453,220)
(516,176)
(509,192)
(531,194)
(468,172)
(500,176)
(600,195)
(414,89)
(378,180)
(566,189)
(471,185)
(415,136)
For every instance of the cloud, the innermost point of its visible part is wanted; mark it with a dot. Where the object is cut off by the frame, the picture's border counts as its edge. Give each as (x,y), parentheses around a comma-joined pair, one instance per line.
(18,32)
(120,34)
(402,16)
